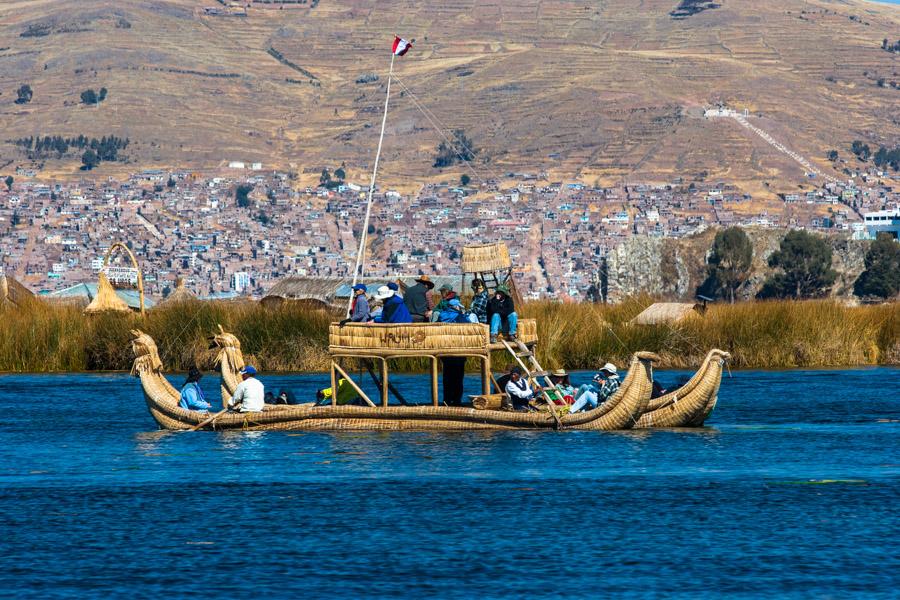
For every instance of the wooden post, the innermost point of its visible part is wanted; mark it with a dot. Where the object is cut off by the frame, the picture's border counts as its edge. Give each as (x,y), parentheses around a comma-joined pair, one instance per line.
(352,384)
(434,380)
(333,385)
(384,382)
(486,374)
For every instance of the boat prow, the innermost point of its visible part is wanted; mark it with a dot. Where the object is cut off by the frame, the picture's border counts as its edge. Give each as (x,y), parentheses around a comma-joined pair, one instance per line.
(691,404)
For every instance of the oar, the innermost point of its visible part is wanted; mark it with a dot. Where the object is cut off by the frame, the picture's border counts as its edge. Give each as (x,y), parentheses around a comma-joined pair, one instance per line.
(203,424)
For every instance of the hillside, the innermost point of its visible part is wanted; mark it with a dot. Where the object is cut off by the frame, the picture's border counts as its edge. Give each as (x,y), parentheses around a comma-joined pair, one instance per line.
(603,91)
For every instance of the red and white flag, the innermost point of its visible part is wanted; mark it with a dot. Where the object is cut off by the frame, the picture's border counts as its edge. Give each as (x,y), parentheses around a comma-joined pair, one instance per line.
(401,46)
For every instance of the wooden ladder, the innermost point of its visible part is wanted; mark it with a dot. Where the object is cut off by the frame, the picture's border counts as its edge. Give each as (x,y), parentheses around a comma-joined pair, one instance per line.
(520,351)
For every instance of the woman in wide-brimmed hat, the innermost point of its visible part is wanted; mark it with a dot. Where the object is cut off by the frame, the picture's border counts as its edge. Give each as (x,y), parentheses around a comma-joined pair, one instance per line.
(393,308)
(562,392)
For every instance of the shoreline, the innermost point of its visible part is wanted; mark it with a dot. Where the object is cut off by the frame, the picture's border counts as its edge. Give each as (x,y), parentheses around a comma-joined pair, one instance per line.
(768,335)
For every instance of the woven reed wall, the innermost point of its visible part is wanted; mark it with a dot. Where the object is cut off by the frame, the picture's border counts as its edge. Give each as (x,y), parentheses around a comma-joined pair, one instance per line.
(412,336)
(106,298)
(528,331)
(485,257)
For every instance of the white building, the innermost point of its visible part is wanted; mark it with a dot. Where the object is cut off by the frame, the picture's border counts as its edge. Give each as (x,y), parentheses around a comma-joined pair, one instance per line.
(240,281)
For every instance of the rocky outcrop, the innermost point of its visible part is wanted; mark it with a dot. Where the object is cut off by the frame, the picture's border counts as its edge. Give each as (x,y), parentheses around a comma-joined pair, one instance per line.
(674,268)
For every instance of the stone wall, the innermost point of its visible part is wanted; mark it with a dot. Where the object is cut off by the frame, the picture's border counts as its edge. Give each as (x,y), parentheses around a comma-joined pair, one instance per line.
(674,268)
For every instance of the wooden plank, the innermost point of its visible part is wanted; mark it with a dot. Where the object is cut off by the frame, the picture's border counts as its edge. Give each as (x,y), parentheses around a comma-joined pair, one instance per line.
(358,389)
(384,382)
(333,385)
(434,380)
(486,376)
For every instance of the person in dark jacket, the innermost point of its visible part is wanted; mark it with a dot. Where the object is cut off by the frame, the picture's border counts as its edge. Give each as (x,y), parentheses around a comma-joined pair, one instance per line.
(419,301)
(394,309)
(502,314)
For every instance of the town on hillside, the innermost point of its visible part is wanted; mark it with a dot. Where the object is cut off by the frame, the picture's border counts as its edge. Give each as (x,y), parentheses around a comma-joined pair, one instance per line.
(238,230)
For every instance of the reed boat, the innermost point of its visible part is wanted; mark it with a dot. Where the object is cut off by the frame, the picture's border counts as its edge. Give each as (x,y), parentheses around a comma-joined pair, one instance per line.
(691,404)
(621,411)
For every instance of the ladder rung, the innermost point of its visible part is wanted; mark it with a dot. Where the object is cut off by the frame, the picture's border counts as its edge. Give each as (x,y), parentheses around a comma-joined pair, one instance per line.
(540,373)
(525,355)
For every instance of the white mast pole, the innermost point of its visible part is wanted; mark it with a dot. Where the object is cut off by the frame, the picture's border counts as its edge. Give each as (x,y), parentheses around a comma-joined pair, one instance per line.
(360,266)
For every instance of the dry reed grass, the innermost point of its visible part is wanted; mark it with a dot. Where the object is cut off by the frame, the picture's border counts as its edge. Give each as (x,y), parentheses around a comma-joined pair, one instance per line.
(575,336)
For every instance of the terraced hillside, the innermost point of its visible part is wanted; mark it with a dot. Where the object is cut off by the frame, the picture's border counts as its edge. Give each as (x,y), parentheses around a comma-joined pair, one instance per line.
(598,90)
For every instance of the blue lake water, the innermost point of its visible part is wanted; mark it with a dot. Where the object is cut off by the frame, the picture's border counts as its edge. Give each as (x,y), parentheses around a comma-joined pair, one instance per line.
(791,491)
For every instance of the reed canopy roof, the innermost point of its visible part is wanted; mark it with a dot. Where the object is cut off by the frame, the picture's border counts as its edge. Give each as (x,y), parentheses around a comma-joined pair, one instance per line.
(179,294)
(485,258)
(667,312)
(14,293)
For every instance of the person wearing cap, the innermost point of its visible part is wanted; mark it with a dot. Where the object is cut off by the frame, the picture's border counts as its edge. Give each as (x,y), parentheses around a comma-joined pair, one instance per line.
(191,394)
(419,301)
(605,384)
(393,308)
(359,312)
(447,294)
(250,394)
(501,313)
(479,300)
(455,312)
(519,390)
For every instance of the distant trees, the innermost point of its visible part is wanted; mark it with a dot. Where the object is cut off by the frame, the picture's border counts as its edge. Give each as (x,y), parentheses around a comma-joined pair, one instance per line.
(881,279)
(171,182)
(24,94)
(465,179)
(728,265)
(89,96)
(89,159)
(889,47)
(327,181)
(460,149)
(884,158)
(106,148)
(861,150)
(242,195)
(9,182)
(833,155)
(804,261)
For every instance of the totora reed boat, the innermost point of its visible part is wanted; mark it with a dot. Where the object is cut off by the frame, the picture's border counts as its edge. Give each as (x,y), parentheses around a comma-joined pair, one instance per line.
(621,411)
(691,404)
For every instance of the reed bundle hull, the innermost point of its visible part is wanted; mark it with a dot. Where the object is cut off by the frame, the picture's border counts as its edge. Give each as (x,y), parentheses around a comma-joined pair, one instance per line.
(621,411)
(691,404)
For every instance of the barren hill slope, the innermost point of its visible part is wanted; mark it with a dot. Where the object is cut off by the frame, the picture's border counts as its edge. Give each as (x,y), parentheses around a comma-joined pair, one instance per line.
(601,90)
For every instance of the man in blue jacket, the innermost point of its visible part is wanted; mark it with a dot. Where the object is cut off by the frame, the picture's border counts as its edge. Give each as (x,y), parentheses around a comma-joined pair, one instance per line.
(393,308)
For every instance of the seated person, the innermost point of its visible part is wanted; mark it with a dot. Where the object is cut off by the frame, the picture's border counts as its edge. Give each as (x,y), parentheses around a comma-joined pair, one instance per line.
(519,390)
(606,383)
(447,294)
(250,393)
(562,391)
(455,312)
(345,395)
(393,308)
(191,394)
(286,397)
(359,308)
(502,314)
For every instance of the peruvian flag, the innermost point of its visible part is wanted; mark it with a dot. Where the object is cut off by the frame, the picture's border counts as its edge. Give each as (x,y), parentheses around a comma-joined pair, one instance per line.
(401,46)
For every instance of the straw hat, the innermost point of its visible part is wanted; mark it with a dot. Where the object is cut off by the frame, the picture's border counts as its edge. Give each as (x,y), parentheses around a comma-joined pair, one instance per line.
(383,293)
(559,373)
(426,281)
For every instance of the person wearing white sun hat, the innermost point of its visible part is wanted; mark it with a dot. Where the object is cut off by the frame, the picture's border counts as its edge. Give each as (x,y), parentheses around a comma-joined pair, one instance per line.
(393,308)
(605,384)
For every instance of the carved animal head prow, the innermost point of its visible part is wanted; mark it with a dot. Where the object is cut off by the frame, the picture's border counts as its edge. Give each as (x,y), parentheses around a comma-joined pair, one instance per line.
(146,354)
(224,339)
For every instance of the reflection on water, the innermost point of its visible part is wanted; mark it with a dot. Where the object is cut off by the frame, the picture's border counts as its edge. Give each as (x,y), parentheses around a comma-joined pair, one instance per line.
(791,491)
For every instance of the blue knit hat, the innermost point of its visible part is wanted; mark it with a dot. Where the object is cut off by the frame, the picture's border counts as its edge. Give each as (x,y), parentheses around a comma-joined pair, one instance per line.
(393,286)
(248,370)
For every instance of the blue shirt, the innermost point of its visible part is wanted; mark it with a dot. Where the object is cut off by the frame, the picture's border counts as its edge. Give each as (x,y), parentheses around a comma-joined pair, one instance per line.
(394,311)
(192,398)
